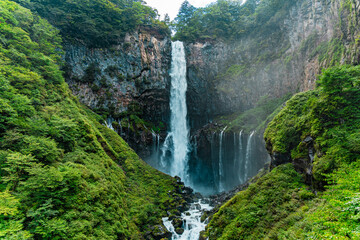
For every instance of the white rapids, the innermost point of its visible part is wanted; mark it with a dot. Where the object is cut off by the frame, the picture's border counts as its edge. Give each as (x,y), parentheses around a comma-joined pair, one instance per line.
(192,222)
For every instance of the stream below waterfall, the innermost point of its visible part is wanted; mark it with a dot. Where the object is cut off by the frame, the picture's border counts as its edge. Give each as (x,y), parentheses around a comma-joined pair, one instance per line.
(192,224)
(213,160)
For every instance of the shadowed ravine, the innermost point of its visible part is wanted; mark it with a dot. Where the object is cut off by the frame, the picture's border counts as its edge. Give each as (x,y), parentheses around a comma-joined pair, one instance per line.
(209,163)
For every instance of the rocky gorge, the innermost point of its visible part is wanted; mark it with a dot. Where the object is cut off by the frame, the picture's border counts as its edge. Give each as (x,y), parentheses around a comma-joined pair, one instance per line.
(242,125)
(130,82)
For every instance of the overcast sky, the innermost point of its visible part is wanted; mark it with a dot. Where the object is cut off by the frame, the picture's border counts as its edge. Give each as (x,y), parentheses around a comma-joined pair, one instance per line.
(172,6)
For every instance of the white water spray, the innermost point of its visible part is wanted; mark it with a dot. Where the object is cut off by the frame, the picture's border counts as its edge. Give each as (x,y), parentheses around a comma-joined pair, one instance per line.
(221,166)
(177,141)
(108,123)
(192,222)
(248,152)
(241,174)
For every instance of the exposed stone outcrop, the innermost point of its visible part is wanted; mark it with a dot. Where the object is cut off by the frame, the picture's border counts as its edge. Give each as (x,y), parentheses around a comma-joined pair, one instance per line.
(231,77)
(129,78)
(113,78)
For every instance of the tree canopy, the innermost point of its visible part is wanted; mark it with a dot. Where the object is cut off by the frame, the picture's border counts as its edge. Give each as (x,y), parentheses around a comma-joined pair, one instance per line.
(98,23)
(227,19)
(63,175)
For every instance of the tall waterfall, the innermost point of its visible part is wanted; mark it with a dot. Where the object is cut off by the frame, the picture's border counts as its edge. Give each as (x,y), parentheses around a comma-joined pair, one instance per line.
(177,141)
(210,161)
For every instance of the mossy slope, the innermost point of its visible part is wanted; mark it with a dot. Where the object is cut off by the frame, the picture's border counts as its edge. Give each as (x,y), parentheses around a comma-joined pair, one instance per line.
(278,206)
(63,174)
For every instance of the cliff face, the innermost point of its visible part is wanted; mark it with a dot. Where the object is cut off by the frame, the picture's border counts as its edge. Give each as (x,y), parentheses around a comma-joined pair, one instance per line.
(129,82)
(134,72)
(285,58)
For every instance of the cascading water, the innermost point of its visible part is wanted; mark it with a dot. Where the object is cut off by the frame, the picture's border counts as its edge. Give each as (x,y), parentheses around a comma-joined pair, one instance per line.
(192,222)
(221,166)
(177,141)
(240,159)
(248,153)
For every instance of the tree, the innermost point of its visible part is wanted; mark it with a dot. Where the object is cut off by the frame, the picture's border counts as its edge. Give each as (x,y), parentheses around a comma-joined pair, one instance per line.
(185,13)
(167,19)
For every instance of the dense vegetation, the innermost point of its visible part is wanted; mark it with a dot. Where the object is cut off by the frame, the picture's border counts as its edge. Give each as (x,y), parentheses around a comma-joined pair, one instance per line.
(63,174)
(229,20)
(98,23)
(256,212)
(277,206)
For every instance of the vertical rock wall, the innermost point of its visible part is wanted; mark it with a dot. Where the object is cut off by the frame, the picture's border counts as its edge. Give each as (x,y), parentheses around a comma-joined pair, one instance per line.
(111,79)
(230,77)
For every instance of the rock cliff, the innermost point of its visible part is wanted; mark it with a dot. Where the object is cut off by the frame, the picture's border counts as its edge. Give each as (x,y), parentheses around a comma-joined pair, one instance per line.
(128,82)
(285,58)
(135,71)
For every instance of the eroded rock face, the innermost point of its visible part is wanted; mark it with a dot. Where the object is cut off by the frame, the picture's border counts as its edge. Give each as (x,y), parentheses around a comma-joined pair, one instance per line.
(131,78)
(135,71)
(225,78)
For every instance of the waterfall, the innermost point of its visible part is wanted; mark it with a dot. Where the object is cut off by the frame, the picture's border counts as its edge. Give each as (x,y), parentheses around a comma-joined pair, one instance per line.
(213,158)
(155,140)
(248,153)
(235,152)
(177,141)
(108,123)
(241,172)
(221,167)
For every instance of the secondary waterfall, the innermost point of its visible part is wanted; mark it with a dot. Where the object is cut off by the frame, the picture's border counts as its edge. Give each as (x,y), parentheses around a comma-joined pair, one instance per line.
(241,169)
(221,167)
(248,153)
(177,140)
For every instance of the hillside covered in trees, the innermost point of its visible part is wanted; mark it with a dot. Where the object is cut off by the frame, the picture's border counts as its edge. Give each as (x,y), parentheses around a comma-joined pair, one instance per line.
(63,174)
(97,23)
(315,195)
(252,69)
(229,20)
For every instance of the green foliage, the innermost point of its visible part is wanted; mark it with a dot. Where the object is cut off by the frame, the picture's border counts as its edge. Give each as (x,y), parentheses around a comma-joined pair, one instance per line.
(63,174)
(254,213)
(229,20)
(328,114)
(278,206)
(98,23)
(11,219)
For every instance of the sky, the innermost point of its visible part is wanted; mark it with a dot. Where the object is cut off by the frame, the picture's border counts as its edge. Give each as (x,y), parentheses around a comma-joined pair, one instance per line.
(172,6)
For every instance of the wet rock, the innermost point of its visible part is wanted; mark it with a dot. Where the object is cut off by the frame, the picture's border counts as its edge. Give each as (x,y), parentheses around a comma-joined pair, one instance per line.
(171,217)
(197,206)
(279,159)
(160,232)
(177,223)
(202,236)
(308,140)
(179,230)
(204,216)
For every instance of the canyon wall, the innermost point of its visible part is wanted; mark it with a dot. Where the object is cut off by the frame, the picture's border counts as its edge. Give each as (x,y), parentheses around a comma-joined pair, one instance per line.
(284,57)
(133,72)
(129,83)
